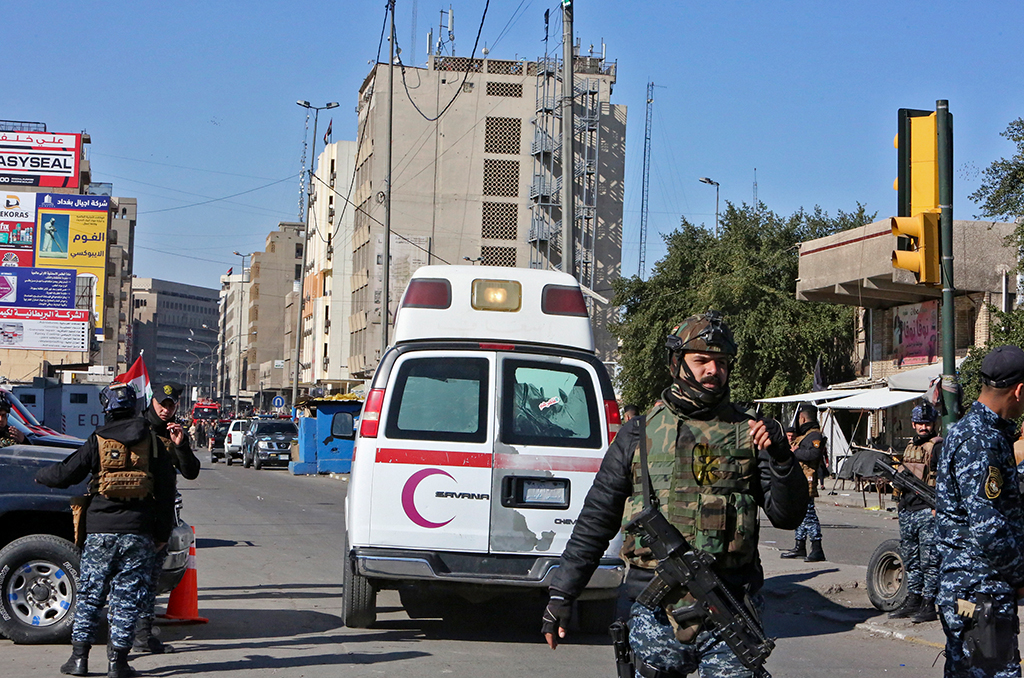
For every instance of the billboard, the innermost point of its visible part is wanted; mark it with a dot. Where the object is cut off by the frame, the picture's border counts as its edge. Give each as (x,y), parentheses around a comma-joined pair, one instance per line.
(37,288)
(915,333)
(47,329)
(17,228)
(71,233)
(39,159)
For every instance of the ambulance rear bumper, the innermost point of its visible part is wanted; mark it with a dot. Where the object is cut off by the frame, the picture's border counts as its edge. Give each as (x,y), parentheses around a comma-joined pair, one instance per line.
(469,568)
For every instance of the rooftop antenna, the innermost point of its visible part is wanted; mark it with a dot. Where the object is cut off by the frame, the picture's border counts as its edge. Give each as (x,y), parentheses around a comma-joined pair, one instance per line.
(756,208)
(646,182)
(451,27)
(412,40)
(430,43)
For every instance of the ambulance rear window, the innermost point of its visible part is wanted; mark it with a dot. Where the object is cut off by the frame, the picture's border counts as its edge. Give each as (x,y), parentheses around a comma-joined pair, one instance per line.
(549,404)
(440,399)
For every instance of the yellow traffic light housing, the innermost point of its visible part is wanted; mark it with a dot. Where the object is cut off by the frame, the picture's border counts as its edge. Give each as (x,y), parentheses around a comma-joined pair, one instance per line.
(922,231)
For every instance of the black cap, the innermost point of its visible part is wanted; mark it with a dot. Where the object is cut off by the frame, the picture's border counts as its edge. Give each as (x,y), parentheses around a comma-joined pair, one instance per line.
(808,409)
(1003,367)
(168,390)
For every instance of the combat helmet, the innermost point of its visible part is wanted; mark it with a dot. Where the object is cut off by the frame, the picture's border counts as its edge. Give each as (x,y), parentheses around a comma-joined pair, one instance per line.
(704,332)
(118,400)
(923,414)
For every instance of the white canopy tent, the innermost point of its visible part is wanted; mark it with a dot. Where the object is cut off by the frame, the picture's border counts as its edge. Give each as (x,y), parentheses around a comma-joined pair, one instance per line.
(814,396)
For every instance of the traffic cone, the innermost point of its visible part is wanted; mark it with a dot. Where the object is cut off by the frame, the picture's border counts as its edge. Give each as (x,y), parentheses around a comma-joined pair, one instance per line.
(183,607)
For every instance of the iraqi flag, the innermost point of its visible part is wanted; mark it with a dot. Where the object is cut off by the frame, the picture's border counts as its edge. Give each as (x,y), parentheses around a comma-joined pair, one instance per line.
(137,377)
(327,134)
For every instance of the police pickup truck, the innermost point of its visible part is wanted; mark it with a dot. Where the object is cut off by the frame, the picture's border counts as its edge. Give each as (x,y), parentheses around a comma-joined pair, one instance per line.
(39,563)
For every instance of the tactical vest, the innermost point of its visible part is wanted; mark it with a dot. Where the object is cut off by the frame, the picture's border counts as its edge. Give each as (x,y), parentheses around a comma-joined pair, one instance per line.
(917,459)
(810,473)
(125,471)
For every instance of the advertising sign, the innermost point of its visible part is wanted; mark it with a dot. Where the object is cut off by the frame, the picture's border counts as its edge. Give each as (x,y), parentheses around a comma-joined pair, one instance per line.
(37,288)
(39,159)
(17,228)
(915,333)
(47,329)
(72,234)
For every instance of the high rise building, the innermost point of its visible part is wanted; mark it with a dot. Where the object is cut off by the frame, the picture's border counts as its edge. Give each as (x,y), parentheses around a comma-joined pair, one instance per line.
(482,182)
(233,337)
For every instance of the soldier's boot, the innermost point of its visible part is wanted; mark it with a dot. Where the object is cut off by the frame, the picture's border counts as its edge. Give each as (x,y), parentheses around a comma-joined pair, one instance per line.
(816,555)
(145,641)
(117,666)
(78,664)
(798,551)
(911,604)
(925,613)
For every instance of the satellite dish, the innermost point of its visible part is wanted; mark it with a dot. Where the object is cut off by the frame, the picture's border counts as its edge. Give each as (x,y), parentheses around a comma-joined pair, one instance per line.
(486,51)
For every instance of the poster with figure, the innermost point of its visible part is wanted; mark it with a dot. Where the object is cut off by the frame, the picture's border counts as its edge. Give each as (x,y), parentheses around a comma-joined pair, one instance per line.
(915,334)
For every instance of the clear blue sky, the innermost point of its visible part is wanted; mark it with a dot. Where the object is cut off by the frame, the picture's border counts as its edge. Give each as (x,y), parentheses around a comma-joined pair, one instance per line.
(190,101)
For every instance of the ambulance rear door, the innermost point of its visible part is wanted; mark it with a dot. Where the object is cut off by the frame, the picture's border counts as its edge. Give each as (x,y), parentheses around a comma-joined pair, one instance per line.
(551,440)
(432,466)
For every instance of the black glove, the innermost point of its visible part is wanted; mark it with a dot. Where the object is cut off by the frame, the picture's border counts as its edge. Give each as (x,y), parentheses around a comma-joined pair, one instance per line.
(778,448)
(557,614)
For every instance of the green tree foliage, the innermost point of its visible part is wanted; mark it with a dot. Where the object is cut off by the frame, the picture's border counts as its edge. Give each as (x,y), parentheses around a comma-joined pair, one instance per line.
(749,273)
(1001,194)
(1007,328)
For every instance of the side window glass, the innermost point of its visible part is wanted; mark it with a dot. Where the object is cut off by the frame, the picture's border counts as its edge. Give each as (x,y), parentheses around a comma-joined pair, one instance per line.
(440,399)
(548,404)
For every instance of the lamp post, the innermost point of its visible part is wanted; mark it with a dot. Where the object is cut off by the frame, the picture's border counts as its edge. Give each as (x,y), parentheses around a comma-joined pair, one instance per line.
(305,250)
(238,372)
(209,352)
(712,182)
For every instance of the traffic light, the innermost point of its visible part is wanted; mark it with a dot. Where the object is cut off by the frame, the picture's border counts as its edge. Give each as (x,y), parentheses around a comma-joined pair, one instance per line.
(922,233)
(917,185)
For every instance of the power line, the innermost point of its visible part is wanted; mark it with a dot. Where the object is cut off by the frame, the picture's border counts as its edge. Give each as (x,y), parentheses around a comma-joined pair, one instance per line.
(227,197)
(165,164)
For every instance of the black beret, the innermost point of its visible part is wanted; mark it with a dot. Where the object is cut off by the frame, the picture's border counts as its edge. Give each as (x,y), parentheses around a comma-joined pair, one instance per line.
(1003,367)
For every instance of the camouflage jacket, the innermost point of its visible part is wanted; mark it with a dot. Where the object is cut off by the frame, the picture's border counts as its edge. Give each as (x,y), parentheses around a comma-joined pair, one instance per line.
(979,518)
(780,489)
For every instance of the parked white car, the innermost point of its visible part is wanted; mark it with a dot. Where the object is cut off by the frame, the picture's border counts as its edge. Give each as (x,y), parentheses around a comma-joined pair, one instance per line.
(233,440)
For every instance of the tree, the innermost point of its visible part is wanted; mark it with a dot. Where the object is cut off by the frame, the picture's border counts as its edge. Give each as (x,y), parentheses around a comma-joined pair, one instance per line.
(748,273)
(1001,194)
(1007,328)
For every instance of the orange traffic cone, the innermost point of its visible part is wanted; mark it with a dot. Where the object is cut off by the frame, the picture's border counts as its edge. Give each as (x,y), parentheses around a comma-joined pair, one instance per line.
(183,607)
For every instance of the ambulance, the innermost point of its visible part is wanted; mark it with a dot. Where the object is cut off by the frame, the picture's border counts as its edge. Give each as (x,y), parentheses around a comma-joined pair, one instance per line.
(484,426)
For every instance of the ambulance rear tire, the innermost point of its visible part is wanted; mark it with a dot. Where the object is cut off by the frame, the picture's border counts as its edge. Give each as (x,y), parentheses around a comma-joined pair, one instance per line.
(359,598)
(595,616)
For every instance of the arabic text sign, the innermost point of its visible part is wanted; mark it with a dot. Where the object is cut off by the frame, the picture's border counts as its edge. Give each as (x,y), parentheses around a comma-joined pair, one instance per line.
(914,334)
(44,335)
(39,159)
(37,287)
(17,228)
(71,233)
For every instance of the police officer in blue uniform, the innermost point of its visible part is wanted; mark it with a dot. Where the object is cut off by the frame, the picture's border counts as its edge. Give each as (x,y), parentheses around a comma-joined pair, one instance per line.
(130,516)
(980,525)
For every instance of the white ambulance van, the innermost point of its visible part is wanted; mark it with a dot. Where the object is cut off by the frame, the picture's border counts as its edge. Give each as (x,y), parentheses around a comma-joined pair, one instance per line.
(484,426)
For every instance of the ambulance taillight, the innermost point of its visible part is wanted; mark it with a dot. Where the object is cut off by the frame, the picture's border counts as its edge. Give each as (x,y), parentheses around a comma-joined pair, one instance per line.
(428,293)
(563,300)
(370,419)
(611,414)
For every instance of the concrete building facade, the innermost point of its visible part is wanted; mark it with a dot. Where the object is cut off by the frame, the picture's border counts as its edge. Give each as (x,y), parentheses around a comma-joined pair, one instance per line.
(175,331)
(482,182)
(233,338)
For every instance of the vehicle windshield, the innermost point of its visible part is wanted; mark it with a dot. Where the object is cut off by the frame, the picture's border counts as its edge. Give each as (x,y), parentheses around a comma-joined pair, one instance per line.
(200,412)
(285,427)
(221,429)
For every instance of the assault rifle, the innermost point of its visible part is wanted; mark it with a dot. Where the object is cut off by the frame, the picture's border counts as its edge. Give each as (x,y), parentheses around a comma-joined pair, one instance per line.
(905,481)
(682,566)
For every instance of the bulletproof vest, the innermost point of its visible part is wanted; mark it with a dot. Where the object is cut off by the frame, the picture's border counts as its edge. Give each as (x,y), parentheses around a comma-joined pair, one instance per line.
(917,459)
(125,471)
(701,473)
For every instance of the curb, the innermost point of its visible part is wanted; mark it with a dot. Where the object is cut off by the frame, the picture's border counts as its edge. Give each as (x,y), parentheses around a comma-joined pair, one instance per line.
(877,629)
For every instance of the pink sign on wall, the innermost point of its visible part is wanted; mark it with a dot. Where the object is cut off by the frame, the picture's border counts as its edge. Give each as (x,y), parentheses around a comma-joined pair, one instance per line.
(915,337)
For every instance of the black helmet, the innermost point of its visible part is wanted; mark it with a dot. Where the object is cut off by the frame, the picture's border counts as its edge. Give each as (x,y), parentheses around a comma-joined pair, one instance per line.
(118,399)
(5,404)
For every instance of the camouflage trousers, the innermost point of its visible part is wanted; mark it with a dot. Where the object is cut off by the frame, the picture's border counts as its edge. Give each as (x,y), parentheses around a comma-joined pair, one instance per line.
(118,565)
(810,528)
(958,659)
(917,549)
(653,642)
(149,604)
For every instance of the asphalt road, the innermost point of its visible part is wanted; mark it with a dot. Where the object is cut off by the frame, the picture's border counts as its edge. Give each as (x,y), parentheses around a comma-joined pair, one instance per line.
(270,583)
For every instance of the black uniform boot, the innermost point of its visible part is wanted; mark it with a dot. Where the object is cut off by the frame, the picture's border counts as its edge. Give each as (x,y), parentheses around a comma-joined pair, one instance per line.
(816,555)
(78,664)
(118,663)
(798,551)
(911,604)
(145,641)
(926,612)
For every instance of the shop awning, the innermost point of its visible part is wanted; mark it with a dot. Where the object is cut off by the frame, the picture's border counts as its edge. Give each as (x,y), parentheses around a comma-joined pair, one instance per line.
(875,399)
(917,379)
(814,397)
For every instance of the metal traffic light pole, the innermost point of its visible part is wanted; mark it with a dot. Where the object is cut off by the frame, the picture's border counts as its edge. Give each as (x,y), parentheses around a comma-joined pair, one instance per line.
(944,128)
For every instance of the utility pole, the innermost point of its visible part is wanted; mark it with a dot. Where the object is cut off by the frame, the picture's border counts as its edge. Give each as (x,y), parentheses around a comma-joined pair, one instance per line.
(944,129)
(646,182)
(568,152)
(387,188)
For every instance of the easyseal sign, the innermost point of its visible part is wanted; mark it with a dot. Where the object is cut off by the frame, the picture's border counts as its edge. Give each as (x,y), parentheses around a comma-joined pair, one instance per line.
(39,159)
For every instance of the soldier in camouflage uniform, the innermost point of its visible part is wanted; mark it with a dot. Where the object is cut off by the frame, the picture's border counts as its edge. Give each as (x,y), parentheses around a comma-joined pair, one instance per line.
(712,465)
(129,517)
(809,450)
(917,524)
(980,525)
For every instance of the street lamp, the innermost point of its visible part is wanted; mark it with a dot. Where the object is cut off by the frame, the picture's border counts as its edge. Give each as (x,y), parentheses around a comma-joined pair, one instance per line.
(209,352)
(238,372)
(712,182)
(305,249)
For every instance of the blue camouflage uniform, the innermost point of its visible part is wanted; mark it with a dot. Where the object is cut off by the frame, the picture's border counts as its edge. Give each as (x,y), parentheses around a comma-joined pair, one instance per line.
(980,536)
